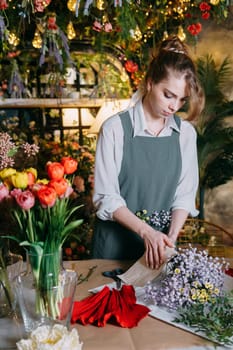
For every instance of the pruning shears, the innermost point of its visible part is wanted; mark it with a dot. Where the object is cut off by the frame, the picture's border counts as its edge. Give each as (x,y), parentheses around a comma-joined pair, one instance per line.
(114,275)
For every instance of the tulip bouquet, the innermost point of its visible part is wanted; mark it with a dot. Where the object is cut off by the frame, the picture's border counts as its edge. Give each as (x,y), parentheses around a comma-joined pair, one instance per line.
(43,212)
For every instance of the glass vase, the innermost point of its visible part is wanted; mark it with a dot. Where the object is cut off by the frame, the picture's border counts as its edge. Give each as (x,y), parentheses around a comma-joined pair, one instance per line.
(45,291)
(11,329)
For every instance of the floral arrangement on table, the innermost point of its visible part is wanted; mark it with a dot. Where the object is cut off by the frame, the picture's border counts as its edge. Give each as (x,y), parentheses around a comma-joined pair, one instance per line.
(78,245)
(43,212)
(193,288)
(51,338)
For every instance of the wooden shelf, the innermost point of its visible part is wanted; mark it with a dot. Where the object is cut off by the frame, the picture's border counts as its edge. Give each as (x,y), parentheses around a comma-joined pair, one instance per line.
(50,103)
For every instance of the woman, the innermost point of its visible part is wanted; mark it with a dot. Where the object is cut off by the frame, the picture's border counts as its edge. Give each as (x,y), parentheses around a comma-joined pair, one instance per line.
(146,159)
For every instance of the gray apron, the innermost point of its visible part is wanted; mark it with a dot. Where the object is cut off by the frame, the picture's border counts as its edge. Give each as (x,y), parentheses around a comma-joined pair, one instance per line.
(148,179)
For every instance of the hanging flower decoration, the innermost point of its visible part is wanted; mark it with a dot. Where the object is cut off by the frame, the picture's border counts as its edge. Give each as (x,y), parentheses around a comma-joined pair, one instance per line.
(40,5)
(195,28)
(3,4)
(54,43)
(16,86)
(131,66)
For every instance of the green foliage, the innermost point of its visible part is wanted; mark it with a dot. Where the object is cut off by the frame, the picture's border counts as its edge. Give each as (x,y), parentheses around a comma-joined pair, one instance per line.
(214,135)
(214,320)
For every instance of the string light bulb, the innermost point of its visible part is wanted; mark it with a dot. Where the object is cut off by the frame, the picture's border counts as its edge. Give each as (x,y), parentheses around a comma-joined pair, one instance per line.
(136,34)
(100,5)
(70,31)
(71,4)
(13,39)
(165,35)
(37,40)
(181,34)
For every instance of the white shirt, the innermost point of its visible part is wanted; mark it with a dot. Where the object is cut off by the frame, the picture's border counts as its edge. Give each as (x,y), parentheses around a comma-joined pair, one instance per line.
(109,153)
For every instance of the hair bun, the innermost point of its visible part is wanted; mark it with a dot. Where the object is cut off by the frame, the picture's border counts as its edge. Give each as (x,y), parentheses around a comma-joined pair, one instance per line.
(173,43)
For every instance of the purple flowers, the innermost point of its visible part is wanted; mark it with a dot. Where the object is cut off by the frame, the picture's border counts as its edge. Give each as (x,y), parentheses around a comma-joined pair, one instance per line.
(158,219)
(192,276)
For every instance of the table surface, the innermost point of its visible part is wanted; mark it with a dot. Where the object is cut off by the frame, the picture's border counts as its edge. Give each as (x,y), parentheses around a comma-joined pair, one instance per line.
(150,333)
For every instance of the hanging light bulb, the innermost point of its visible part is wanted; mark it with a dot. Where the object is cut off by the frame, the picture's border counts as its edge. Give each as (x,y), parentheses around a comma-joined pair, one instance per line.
(71,4)
(136,34)
(100,5)
(37,40)
(13,39)
(70,31)
(181,34)
(165,35)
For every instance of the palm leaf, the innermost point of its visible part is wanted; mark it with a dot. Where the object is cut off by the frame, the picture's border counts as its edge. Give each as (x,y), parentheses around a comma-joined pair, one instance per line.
(214,136)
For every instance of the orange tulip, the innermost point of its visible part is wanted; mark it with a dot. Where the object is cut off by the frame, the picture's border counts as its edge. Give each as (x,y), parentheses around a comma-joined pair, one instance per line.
(70,165)
(47,196)
(60,186)
(55,170)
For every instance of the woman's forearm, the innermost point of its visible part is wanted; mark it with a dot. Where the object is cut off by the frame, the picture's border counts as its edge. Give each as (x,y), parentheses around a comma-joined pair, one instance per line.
(129,220)
(179,217)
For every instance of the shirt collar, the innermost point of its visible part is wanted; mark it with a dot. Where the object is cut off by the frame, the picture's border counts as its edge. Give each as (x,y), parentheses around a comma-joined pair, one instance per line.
(139,120)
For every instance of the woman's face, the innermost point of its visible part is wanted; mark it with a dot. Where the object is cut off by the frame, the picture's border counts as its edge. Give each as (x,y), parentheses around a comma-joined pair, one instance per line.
(166,97)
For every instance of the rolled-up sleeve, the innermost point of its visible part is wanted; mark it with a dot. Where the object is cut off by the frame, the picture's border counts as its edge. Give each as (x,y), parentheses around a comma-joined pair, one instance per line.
(185,196)
(107,196)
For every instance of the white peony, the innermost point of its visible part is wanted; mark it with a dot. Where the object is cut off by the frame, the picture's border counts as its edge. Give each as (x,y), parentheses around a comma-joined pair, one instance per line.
(51,338)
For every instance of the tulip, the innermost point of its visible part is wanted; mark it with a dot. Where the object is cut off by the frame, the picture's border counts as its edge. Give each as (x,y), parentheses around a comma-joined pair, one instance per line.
(19,180)
(55,170)
(47,196)
(4,192)
(70,165)
(33,171)
(25,199)
(7,172)
(60,186)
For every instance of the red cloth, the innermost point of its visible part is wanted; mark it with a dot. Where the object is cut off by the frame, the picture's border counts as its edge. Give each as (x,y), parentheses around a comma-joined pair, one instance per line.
(229,272)
(110,305)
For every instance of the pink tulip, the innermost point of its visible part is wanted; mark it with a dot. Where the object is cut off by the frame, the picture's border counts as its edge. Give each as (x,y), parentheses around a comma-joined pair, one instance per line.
(25,199)
(15,192)
(4,192)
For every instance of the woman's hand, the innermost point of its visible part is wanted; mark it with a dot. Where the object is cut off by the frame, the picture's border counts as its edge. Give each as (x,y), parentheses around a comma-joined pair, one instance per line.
(155,244)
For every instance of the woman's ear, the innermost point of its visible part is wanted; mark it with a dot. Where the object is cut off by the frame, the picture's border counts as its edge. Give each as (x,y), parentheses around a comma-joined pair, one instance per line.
(149,85)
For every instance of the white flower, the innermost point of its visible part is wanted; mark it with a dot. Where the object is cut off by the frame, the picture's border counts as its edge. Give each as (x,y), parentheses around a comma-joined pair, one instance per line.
(51,338)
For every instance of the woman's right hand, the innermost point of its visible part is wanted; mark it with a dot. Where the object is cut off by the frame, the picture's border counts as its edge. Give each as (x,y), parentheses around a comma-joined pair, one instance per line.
(155,244)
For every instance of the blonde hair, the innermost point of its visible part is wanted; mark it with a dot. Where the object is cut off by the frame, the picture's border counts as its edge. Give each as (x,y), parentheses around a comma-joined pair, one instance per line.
(173,56)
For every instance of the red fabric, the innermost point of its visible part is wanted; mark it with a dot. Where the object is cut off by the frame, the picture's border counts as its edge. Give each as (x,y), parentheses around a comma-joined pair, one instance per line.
(113,306)
(229,272)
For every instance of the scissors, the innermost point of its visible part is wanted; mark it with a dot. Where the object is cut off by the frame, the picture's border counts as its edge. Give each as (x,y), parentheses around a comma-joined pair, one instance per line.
(114,275)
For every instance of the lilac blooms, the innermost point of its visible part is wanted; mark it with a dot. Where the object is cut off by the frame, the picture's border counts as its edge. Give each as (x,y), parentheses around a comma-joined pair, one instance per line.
(192,276)
(8,150)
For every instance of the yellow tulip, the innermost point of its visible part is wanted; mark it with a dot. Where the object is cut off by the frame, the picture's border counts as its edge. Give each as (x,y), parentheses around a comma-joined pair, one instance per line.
(7,172)
(19,180)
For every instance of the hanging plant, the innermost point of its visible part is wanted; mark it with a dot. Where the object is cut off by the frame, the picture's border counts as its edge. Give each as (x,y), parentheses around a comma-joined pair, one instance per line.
(54,44)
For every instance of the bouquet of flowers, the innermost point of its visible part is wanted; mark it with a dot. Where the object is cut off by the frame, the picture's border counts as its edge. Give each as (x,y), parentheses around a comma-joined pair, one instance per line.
(43,212)
(192,276)
(193,288)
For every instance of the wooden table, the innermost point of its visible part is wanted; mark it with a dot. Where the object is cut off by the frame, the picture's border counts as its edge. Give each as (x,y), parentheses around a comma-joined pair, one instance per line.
(150,334)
